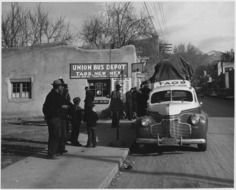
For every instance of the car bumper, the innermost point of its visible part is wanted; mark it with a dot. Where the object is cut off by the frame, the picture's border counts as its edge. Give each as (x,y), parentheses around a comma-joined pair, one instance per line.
(170,141)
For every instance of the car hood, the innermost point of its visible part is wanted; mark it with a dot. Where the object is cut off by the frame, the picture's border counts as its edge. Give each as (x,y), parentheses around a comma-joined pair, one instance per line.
(171,108)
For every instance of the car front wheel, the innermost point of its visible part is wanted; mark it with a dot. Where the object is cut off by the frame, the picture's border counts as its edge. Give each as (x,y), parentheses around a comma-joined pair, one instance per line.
(202,147)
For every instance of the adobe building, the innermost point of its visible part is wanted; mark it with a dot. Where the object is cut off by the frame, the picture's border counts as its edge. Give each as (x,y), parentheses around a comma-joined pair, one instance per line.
(27,75)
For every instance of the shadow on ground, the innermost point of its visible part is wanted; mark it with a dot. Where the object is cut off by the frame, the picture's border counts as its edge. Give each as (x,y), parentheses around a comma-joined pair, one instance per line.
(21,139)
(154,150)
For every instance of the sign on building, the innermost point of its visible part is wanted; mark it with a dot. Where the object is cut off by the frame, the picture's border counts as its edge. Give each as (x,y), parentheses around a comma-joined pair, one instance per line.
(98,70)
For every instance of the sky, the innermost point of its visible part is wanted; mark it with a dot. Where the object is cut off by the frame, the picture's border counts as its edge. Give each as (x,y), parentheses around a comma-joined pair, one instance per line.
(208,25)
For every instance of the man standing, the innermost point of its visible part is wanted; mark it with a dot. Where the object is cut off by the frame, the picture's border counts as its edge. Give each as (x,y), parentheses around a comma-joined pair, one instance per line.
(135,95)
(144,95)
(116,106)
(55,110)
(88,101)
(129,104)
(66,95)
(89,98)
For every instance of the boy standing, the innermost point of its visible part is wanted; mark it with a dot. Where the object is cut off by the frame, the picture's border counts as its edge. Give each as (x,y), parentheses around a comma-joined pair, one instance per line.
(91,119)
(76,121)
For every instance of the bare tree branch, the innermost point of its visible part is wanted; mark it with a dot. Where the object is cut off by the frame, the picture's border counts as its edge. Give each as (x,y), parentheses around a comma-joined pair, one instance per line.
(120,23)
(22,28)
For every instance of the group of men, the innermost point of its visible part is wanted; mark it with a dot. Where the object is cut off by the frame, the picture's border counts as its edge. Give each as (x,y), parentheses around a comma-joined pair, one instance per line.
(136,101)
(59,112)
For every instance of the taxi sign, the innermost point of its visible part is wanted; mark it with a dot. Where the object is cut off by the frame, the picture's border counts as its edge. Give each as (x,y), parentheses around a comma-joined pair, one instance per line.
(184,83)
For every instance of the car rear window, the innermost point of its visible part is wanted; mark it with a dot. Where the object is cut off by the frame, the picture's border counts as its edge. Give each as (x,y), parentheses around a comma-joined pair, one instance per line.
(171,95)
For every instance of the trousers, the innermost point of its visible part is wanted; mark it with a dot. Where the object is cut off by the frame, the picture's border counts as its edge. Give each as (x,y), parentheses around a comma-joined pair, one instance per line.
(115,119)
(91,136)
(57,135)
(75,132)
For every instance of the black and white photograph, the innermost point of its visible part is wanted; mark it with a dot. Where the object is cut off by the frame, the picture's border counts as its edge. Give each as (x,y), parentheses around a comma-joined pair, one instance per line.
(117,94)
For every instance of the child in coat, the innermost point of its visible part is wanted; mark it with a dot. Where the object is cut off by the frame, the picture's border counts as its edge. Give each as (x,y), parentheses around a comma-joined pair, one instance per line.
(76,121)
(91,119)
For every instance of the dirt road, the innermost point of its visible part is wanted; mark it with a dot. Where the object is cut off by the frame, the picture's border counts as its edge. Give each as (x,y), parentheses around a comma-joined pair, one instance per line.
(185,167)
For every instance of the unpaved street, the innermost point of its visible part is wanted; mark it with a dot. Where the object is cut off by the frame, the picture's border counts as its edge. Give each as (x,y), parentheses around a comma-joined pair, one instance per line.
(186,167)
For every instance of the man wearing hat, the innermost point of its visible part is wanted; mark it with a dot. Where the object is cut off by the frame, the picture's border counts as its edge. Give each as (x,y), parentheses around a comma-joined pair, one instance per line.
(116,106)
(55,109)
(66,95)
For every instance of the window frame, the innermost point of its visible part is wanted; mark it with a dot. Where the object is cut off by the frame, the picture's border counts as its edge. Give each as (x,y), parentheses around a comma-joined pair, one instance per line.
(171,96)
(20,88)
(100,82)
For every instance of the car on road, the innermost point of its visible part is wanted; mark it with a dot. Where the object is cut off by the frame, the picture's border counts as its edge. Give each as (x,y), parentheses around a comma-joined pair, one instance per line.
(174,117)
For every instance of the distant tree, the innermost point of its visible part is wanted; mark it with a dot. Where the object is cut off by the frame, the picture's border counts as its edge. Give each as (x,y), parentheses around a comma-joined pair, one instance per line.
(192,54)
(228,56)
(12,26)
(197,59)
(25,28)
(118,26)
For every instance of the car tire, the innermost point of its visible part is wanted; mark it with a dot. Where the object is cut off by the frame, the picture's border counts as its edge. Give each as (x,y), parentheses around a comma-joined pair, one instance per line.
(202,147)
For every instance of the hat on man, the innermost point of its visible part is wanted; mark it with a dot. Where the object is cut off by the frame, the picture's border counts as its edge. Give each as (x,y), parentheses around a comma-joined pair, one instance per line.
(118,86)
(63,83)
(57,82)
(76,100)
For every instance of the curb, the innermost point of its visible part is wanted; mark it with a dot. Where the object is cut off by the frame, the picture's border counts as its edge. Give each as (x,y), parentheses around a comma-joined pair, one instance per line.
(106,182)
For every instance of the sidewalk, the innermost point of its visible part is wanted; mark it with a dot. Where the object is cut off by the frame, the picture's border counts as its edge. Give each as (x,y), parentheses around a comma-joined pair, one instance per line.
(81,167)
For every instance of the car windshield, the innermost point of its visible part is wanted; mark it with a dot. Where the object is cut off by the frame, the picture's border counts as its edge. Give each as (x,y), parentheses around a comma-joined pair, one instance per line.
(171,95)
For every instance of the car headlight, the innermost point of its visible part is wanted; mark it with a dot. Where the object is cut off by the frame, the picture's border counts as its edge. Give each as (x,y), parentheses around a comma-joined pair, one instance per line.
(145,121)
(196,118)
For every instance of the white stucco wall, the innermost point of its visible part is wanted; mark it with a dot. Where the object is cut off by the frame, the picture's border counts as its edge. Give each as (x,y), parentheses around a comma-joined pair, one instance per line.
(45,64)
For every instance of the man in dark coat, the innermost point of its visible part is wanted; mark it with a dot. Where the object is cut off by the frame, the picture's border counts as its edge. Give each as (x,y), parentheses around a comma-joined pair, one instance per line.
(55,110)
(89,97)
(144,97)
(116,106)
(66,95)
(129,104)
(88,102)
(135,95)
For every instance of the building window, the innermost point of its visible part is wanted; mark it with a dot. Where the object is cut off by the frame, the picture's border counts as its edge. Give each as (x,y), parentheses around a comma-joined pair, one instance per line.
(21,88)
(100,88)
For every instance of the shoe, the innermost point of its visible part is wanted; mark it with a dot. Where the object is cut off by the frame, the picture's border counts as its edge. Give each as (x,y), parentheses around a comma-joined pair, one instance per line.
(76,144)
(88,145)
(64,151)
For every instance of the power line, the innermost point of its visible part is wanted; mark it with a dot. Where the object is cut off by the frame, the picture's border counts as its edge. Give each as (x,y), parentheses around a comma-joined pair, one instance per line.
(150,17)
(157,19)
(164,18)
(161,20)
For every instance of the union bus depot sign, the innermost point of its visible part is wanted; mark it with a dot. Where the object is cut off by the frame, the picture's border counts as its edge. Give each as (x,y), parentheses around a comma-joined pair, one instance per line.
(98,70)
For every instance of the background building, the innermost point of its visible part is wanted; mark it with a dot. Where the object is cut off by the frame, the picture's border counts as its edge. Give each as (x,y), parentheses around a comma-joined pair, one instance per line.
(27,74)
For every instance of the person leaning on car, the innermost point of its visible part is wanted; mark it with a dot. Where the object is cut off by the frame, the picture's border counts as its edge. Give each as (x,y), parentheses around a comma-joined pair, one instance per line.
(55,111)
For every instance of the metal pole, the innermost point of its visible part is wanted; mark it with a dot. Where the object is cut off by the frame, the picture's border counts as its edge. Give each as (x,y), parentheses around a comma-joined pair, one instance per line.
(118,132)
